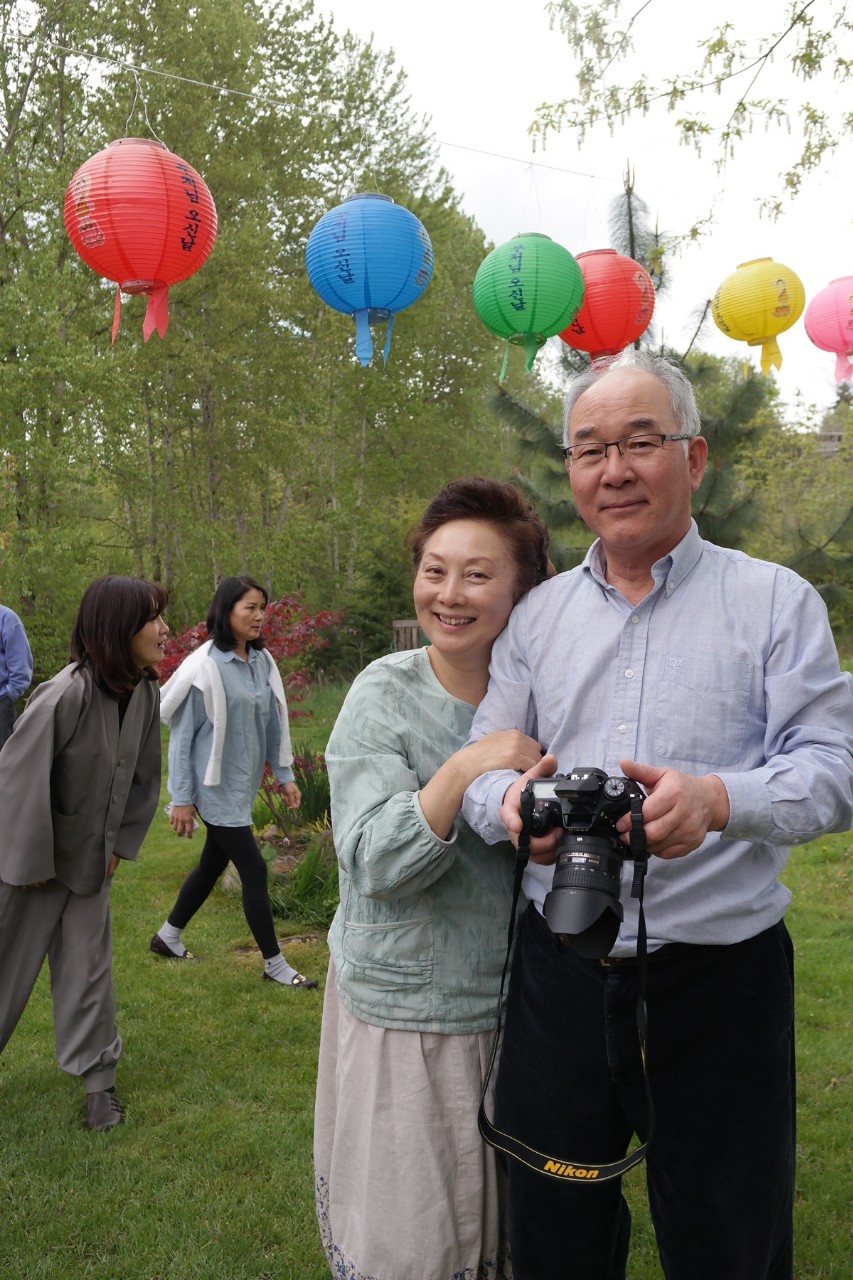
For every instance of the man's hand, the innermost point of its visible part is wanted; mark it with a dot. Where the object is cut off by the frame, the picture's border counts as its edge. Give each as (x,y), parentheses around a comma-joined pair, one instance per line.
(678,811)
(542,848)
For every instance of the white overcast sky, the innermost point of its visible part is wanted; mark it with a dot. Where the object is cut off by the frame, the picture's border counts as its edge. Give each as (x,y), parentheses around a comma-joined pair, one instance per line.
(479,69)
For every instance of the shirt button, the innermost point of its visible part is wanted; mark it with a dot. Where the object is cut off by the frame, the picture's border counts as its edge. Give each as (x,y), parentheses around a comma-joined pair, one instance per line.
(623,728)
(110,835)
(629,674)
(635,619)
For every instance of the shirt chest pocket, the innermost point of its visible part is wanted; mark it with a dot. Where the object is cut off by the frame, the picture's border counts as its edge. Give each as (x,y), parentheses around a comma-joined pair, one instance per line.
(702,709)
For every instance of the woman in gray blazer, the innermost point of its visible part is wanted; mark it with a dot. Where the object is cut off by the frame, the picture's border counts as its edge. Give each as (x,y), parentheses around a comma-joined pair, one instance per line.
(79,784)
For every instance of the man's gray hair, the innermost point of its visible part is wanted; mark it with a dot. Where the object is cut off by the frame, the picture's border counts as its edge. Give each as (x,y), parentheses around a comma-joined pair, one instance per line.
(681,398)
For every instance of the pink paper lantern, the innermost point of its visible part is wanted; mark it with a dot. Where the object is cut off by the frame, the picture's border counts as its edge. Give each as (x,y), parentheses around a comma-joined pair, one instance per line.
(829,324)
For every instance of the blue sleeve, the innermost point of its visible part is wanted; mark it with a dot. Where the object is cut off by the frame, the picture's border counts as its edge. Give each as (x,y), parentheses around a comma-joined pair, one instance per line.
(184,728)
(282,773)
(17,655)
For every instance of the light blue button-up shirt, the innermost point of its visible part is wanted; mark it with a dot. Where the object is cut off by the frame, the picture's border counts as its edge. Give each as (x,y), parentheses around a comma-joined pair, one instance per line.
(252,737)
(728,667)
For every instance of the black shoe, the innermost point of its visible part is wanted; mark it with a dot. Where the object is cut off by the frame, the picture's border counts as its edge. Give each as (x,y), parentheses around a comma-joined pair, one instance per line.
(103,1110)
(310,984)
(160,948)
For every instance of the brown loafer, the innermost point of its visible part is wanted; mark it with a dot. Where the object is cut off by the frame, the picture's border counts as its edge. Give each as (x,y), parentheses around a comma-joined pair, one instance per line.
(160,948)
(103,1110)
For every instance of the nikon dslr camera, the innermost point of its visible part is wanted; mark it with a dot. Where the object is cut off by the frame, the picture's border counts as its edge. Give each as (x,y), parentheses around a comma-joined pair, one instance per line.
(583,905)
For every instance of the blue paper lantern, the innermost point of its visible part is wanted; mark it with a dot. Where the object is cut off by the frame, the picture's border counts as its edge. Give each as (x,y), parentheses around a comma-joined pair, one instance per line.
(369,258)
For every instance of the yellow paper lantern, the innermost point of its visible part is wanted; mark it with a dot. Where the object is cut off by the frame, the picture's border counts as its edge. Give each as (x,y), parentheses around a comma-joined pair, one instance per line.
(760,300)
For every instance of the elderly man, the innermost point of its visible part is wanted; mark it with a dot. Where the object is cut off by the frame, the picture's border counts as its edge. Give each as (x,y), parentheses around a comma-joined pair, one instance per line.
(711,679)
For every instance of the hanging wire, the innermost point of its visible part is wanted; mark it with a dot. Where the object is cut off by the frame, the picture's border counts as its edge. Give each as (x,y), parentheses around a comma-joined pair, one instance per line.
(532,190)
(279,102)
(138,94)
(344,192)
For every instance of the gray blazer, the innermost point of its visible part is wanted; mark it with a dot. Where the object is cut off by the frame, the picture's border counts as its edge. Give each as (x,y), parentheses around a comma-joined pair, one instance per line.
(73,788)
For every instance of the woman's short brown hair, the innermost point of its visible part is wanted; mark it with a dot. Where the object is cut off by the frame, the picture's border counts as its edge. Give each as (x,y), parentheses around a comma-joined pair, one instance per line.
(112,611)
(496,503)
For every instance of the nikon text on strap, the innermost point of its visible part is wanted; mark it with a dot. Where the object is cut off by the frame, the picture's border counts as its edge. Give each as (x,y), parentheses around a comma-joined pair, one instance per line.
(542,1162)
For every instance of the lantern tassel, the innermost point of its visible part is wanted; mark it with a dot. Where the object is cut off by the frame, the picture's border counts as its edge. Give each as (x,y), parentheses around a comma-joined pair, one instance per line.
(502,374)
(157,312)
(844,366)
(363,340)
(388,339)
(771,356)
(532,343)
(116,314)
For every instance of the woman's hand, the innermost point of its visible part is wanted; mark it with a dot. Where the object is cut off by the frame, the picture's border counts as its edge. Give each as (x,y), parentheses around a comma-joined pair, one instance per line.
(181,818)
(503,749)
(441,798)
(291,794)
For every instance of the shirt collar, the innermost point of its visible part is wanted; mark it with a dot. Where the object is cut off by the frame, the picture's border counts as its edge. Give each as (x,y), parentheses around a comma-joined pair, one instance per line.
(672,568)
(229,655)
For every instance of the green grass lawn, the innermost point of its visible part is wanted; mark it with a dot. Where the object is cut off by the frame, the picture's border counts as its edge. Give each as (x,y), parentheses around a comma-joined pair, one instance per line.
(210,1178)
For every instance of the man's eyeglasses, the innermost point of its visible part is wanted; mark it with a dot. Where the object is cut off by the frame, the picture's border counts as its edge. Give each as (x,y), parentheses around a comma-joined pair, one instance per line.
(640,448)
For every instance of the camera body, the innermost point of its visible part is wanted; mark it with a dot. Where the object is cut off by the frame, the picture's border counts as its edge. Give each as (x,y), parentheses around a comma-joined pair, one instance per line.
(583,906)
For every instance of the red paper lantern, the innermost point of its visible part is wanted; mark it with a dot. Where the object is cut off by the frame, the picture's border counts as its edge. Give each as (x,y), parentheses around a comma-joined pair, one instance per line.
(141,216)
(618,302)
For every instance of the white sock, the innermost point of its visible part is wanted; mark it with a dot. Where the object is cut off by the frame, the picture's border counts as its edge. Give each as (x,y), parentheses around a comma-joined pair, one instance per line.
(172,938)
(279,970)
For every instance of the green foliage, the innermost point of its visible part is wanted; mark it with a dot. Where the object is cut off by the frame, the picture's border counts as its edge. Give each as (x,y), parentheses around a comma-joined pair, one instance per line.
(307,894)
(807,43)
(312,779)
(250,439)
(805,485)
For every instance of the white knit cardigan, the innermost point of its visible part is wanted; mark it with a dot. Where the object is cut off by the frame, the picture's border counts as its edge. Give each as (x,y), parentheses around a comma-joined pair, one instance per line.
(199,671)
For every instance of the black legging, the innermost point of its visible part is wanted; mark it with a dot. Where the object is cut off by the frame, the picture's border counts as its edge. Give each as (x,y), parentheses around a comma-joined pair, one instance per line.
(224,845)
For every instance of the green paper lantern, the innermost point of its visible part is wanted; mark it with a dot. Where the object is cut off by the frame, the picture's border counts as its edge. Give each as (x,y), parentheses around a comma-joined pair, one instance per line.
(526,291)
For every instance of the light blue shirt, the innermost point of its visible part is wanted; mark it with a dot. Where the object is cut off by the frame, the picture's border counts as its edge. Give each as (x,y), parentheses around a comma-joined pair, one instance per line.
(252,737)
(16,660)
(727,667)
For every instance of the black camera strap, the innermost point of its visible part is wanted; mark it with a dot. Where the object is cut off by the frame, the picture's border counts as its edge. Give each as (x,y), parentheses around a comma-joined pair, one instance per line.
(541,1162)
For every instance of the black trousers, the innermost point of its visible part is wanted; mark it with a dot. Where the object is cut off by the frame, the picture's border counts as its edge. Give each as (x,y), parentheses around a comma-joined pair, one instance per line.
(720,1050)
(223,845)
(7,718)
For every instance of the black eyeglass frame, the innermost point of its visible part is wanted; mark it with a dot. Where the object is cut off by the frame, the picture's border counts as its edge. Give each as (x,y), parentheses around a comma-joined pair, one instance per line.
(566,450)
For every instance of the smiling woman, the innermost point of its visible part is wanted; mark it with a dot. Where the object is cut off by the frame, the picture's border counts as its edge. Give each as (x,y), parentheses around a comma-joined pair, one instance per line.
(417,943)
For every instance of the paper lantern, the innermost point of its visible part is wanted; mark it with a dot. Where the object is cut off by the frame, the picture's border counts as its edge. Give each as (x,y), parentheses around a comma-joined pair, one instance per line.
(618,302)
(829,324)
(526,291)
(760,300)
(369,258)
(141,216)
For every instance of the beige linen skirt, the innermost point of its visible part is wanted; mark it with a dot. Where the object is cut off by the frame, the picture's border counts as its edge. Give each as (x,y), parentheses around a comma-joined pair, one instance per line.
(406,1188)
